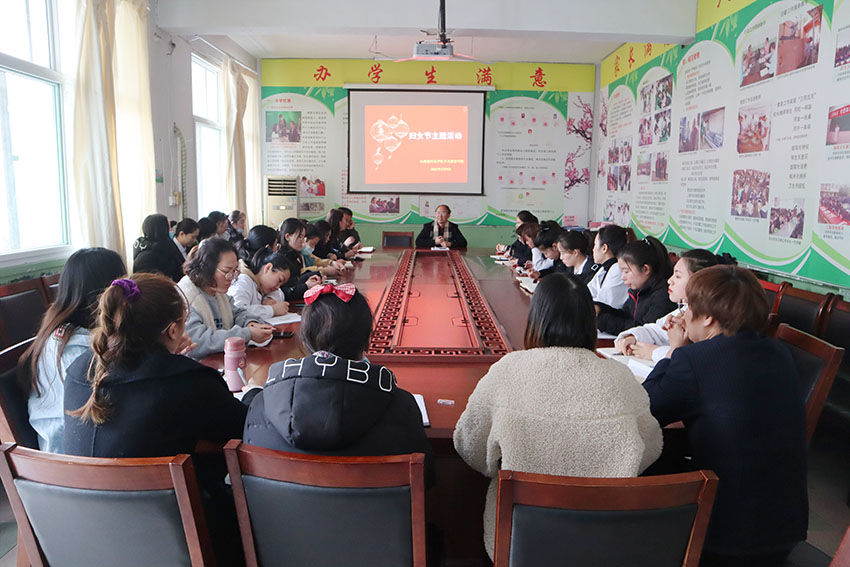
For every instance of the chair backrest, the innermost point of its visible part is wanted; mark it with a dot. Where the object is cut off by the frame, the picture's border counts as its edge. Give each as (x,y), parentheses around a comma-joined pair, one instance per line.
(22,305)
(51,285)
(836,328)
(802,309)
(772,291)
(320,511)
(85,511)
(14,416)
(817,362)
(397,240)
(655,521)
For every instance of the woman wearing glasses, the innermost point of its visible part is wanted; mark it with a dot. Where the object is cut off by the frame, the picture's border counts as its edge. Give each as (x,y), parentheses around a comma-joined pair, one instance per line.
(213,317)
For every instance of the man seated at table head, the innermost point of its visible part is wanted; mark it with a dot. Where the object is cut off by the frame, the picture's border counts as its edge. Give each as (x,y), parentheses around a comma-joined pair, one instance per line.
(441,232)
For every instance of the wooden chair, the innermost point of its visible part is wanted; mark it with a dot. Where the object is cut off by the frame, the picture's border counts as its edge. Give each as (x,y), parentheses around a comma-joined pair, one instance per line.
(320,511)
(807,555)
(106,512)
(817,362)
(655,521)
(51,285)
(397,240)
(14,417)
(773,291)
(836,327)
(22,305)
(802,309)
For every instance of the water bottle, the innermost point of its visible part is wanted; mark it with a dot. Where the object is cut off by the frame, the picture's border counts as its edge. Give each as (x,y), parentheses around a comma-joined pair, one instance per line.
(234,362)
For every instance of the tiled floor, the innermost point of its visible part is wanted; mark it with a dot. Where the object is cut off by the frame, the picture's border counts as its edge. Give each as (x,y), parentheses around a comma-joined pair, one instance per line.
(829,484)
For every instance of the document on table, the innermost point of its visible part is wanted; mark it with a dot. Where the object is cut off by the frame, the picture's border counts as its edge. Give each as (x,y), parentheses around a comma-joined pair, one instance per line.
(420,401)
(284,319)
(604,335)
(527,283)
(499,257)
(439,248)
(640,368)
(367,250)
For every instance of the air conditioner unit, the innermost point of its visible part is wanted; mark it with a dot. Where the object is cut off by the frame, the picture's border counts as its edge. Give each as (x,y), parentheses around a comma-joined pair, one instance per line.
(281,198)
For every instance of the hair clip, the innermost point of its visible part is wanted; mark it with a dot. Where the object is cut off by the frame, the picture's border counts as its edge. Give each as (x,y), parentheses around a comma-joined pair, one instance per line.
(343,291)
(129,287)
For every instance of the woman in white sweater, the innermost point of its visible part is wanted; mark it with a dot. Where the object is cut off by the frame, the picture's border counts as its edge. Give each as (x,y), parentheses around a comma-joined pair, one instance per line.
(556,408)
(257,288)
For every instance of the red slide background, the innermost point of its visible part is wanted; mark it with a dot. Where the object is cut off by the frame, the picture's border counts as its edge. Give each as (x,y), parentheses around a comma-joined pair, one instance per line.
(416,160)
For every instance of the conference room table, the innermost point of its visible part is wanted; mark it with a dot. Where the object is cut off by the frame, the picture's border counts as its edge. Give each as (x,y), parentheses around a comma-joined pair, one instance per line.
(455,504)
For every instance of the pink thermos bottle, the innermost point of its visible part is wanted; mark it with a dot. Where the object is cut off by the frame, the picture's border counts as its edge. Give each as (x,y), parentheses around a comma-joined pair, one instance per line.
(234,363)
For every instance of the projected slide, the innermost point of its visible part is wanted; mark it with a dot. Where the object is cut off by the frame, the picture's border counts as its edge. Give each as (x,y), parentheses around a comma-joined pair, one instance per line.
(416,142)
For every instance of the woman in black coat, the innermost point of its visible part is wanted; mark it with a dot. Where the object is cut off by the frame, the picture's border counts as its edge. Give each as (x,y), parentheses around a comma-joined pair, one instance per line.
(739,396)
(645,267)
(335,402)
(154,252)
(134,395)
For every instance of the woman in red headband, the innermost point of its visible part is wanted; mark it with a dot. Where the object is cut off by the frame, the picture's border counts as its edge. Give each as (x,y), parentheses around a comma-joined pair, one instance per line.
(334,401)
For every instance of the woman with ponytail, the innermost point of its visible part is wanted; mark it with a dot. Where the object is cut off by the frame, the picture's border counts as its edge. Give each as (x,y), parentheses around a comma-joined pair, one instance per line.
(134,395)
(645,267)
(257,288)
(62,337)
(650,341)
(259,237)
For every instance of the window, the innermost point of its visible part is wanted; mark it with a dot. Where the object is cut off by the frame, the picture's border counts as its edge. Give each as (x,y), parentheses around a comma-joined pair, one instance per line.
(207,99)
(33,191)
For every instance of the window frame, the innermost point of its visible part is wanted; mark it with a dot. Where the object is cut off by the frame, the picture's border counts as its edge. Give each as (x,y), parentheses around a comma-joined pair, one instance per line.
(53,77)
(215,66)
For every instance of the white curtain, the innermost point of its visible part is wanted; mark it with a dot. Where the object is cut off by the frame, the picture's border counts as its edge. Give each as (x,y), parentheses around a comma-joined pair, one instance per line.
(113,153)
(253,153)
(235,101)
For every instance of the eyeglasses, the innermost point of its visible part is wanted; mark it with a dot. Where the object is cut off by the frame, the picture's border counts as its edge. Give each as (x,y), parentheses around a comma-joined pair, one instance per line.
(228,275)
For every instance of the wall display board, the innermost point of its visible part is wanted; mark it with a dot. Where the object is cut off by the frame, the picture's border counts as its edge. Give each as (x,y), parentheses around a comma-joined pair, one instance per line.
(537,136)
(739,142)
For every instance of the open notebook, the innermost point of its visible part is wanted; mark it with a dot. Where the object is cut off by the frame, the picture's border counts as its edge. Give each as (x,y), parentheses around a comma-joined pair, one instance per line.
(640,368)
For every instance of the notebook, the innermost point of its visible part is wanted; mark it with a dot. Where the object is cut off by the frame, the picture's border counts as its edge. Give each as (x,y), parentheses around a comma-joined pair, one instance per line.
(284,319)
(367,250)
(640,368)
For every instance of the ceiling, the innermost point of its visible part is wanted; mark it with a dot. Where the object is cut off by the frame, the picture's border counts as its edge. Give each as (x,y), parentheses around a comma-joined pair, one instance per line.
(558,31)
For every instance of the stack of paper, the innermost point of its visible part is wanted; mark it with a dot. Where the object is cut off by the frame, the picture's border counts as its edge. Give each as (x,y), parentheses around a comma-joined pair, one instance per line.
(367,250)
(527,283)
(640,368)
(284,319)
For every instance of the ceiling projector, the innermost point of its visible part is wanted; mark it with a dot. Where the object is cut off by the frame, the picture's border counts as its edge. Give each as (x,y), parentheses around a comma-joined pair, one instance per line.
(435,49)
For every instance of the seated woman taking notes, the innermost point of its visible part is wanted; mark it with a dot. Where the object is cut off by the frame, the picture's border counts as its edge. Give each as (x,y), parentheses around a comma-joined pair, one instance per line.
(740,398)
(557,408)
(62,337)
(645,267)
(650,341)
(213,317)
(257,288)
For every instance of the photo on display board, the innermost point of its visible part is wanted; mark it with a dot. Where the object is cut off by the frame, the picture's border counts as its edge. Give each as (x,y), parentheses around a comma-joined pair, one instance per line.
(616,212)
(625,178)
(613,152)
(834,205)
(661,130)
(842,48)
(385,204)
(753,129)
(644,165)
(750,192)
(311,187)
(664,92)
(688,133)
(786,218)
(613,177)
(659,163)
(312,207)
(758,62)
(626,150)
(283,126)
(645,133)
(711,129)
(799,40)
(838,128)
(647,98)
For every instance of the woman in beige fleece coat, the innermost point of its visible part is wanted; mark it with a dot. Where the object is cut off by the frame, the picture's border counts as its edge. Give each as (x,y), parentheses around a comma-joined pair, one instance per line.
(556,408)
